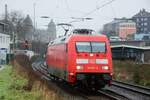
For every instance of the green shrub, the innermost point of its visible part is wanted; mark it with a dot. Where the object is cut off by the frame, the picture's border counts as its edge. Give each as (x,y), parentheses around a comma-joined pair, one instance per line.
(129,71)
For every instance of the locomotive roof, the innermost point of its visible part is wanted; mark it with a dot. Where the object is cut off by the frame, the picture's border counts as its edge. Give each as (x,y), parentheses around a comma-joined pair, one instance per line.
(75,32)
(83,31)
(64,39)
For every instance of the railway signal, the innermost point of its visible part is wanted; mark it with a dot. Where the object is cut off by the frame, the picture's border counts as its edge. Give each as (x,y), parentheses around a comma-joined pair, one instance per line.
(26,45)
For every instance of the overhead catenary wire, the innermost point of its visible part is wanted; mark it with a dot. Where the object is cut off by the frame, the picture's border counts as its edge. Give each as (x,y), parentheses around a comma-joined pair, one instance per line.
(91,12)
(82,18)
(113,11)
(97,8)
(72,10)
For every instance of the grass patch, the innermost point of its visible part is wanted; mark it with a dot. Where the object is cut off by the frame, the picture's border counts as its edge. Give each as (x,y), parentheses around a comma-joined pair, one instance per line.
(19,82)
(12,86)
(129,71)
(24,84)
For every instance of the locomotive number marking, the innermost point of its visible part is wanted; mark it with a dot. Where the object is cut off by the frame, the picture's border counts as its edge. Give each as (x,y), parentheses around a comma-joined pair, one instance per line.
(91,68)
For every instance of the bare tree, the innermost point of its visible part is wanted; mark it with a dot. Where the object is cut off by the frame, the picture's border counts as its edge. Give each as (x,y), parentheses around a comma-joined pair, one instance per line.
(13,23)
(16,18)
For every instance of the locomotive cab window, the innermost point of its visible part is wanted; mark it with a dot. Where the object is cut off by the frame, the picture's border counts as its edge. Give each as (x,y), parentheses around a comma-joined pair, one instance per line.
(93,47)
(98,47)
(83,46)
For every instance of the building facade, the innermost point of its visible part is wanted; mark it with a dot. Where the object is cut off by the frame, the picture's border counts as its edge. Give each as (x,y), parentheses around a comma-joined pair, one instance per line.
(51,30)
(4,47)
(120,27)
(126,29)
(28,29)
(2,27)
(110,28)
(142,20)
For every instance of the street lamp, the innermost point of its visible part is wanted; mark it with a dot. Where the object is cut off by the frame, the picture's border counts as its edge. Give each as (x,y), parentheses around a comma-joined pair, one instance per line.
(45,17)
(34,14)
(82,18)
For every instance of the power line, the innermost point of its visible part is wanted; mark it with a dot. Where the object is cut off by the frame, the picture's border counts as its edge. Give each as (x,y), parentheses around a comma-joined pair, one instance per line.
(84,17)
(113,11)
(67,5)
(97,8)
(72,10)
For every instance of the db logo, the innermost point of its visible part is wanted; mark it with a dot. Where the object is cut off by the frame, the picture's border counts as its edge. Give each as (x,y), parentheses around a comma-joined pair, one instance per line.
(92,61)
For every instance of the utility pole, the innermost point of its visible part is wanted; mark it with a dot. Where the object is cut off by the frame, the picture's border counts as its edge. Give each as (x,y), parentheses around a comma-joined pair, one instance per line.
(33,35)
(14,41)
(34,20)
(6,26)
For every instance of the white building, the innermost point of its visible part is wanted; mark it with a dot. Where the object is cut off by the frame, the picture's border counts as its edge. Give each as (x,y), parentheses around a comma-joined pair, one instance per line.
(4,47)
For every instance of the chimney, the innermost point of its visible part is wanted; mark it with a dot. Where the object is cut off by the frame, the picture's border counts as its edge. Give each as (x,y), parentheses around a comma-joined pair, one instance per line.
(6,13)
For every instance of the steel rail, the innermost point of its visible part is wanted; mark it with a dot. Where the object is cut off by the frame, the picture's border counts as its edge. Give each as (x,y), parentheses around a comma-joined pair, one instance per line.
(40,68)
(111,95)
(131,87)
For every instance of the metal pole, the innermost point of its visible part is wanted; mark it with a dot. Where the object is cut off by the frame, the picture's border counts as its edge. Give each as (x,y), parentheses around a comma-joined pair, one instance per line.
(33,35)
(13,41)
(34,19)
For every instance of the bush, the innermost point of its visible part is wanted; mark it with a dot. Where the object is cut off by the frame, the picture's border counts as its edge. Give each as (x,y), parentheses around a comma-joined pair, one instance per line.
(129,71)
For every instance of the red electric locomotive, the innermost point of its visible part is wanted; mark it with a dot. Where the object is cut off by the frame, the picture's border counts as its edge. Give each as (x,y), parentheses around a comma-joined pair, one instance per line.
(82,57)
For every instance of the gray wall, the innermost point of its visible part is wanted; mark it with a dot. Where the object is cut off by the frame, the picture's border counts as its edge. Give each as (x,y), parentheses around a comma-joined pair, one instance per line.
(1,28)
(147,56)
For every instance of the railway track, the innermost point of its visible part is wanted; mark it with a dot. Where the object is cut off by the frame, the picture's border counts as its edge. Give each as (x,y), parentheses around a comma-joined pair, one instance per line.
(135,88)
(130,91)
(114,95)
(41,70)
(118,90)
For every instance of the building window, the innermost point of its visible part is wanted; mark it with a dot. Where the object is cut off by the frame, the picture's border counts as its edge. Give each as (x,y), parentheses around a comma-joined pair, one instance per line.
(137,20)
(142,24)
(141,19)
(7,39)
(145,24)
(141,29)
(0,39)
(3,39)
(145,19)
(145,29)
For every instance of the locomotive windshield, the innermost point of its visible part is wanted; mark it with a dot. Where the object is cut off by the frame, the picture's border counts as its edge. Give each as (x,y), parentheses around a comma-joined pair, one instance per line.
(98,46)
(93,47)
(83,46)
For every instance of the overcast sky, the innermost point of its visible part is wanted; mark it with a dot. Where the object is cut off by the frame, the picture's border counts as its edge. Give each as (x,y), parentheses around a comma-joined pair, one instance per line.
(62,10)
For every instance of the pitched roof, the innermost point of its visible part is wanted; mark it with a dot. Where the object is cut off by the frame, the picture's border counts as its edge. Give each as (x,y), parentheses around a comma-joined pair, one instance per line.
(129,46)
(142,13)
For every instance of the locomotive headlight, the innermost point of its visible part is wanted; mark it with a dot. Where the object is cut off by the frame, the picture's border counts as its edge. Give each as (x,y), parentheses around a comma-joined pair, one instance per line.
(105,67)
(79,67)
(82,61)
(101,61)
